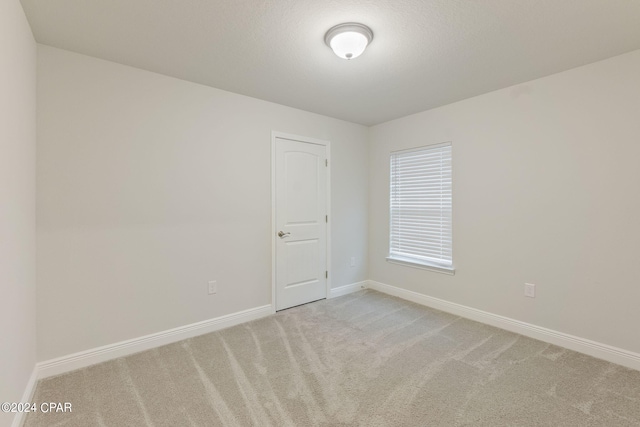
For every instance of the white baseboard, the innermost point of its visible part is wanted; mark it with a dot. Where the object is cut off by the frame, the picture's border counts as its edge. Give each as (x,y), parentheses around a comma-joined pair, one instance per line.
(112,351)
(347,289)
(582,345)
(27,396)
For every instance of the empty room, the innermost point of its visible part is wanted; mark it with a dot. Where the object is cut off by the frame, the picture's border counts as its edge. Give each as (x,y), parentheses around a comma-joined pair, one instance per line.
(309,213)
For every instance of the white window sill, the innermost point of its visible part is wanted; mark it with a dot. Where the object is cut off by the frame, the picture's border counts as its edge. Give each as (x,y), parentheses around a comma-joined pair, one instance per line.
(414,264)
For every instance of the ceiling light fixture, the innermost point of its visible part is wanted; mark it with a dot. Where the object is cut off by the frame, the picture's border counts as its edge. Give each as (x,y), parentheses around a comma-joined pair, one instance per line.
(348,40)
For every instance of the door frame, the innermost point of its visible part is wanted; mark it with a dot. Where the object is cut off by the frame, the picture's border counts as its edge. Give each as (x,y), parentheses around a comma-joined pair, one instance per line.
(308,140)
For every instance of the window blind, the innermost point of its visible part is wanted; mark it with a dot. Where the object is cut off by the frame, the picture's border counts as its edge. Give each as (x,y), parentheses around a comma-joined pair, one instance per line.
(421,208)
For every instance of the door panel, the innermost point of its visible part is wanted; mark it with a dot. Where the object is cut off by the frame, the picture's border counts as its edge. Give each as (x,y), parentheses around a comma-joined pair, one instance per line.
(301,251)
(301,171)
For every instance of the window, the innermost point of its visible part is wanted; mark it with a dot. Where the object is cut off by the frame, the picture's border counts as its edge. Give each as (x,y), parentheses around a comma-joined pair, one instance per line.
(421,211)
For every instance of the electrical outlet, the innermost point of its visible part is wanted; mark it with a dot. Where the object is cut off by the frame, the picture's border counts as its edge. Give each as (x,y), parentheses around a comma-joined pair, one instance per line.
(529,290)
(213,287)
(353,261)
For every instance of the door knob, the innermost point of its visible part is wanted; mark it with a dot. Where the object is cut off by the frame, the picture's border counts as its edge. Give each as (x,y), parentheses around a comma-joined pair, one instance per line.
(282,234)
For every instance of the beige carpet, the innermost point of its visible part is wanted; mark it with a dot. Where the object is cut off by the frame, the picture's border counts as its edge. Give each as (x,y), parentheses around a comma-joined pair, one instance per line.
(365,359)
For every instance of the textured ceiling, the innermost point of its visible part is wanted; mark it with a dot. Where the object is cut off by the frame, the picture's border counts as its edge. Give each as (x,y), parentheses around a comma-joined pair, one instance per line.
(425,53)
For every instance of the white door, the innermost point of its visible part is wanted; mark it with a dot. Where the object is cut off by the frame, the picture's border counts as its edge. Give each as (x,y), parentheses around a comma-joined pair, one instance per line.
(301,222)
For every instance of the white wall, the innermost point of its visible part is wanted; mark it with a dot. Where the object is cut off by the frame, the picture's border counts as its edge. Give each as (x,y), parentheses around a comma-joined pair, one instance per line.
(546,191)
(17,203)
(149,186)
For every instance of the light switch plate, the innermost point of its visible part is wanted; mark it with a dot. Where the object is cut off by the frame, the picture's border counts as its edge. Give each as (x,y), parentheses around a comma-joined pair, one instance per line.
(529,290)
(213,287)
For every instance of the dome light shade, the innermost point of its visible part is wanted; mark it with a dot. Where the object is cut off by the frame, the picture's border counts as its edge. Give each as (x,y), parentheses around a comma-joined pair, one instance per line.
(348,40)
